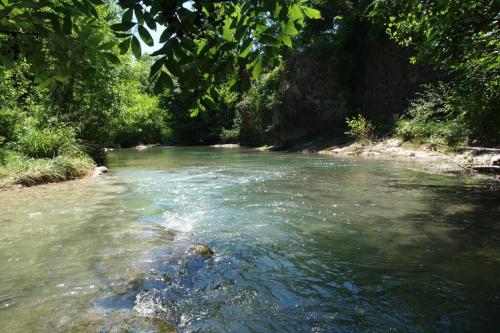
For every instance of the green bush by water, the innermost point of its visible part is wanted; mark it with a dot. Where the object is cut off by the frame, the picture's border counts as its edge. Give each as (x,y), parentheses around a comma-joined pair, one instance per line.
(359,128)
(47,142)
(433,118)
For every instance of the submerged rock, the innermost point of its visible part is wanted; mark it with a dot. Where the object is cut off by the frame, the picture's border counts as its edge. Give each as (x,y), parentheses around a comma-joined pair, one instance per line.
(202,250)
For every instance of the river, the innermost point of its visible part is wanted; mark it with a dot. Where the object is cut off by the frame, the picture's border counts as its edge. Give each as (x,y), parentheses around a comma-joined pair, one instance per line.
(302,242)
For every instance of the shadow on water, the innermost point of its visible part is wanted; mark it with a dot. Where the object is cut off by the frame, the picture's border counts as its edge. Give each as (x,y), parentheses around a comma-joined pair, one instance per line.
(454,263)
(424,277)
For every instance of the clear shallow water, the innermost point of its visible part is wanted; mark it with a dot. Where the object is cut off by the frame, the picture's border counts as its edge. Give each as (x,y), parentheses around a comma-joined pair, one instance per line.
(303,243)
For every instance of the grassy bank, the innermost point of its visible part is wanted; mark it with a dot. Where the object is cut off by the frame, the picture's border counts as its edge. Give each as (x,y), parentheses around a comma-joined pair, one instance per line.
(17,169)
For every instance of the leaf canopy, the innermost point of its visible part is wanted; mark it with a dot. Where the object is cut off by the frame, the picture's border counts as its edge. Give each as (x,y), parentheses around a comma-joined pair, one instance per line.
(203,41)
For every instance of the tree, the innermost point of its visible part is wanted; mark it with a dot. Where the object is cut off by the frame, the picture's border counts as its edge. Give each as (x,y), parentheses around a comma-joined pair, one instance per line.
(458,37)
(203,40)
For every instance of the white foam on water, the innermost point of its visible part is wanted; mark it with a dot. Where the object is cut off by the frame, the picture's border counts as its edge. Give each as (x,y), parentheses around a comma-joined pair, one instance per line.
(182,221)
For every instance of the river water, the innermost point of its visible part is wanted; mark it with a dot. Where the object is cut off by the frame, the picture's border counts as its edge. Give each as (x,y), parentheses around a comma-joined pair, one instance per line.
(302,242)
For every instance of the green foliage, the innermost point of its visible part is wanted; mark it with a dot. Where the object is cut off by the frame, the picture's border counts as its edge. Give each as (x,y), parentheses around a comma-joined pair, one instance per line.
(9,120)
(140,121)
(257,106)
(54,32)
(359,128)
(204,41)
(46,143)
(433,118)
(207,41)
(459,37)
(232,135)
(3,152)
(204,128)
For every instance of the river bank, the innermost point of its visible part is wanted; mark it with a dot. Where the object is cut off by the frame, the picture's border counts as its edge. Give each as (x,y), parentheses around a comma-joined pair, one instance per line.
(468,160)
(19,172)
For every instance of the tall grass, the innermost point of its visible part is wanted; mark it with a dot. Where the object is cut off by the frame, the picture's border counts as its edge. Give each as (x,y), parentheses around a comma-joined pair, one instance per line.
(18,169)
(47,142)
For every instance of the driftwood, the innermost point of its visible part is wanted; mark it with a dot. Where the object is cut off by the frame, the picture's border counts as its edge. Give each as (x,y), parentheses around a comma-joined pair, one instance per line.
(487,168)
(482,149)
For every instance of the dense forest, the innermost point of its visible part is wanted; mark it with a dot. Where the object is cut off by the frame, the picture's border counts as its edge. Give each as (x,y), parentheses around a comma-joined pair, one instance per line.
(76,76)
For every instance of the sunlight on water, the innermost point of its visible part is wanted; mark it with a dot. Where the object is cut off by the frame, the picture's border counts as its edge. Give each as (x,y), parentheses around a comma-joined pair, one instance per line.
(303,243)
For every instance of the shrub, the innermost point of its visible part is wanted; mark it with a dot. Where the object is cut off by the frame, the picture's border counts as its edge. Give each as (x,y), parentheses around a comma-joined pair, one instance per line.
(9,121)
(360,129)
(232,135)
(2,150)
(258,107)
(433,118)
(46,143)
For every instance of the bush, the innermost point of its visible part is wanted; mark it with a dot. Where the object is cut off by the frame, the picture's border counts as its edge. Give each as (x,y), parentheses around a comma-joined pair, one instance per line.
(3,151)
(140,121)
(360,129)
(46,143)
(9,121)
(232,135)
(433,118)
(258,107)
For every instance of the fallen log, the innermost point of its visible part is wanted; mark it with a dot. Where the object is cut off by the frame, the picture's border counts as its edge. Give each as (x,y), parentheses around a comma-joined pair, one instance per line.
(487,168)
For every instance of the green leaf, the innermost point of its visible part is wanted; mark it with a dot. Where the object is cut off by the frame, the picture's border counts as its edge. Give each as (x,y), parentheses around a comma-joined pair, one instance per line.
(124,26)
(112,58)
(107,46)
(245,48)
(139,16)
(127,16)
(150,21)
(156,67)
(56,25)
(257,68)
(173,67)
(295,13)
(226,30)
(267,39)
(124,46)
(46,83)
(209,101)
(89,7)
(146,36)
(311,13)
(136,47)
(194,112)
(165,35)
(164,81)
(67,25)
(286,40)
(290,29)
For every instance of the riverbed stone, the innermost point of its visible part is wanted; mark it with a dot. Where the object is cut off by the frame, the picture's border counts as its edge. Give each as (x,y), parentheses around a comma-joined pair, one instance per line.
(202,249)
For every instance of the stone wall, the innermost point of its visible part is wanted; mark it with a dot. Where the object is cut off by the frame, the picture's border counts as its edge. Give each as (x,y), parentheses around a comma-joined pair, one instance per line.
(324,84)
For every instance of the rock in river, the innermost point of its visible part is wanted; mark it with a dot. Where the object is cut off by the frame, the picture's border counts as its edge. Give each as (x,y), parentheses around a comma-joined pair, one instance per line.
(202,250)
(100,170)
